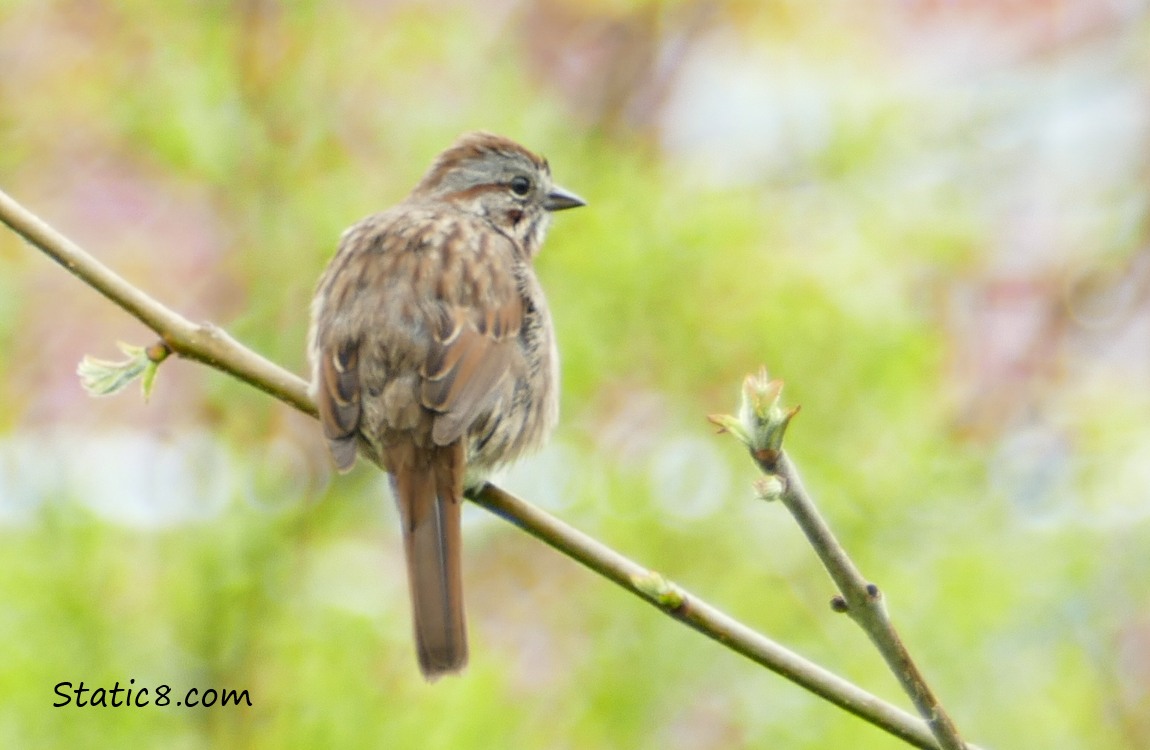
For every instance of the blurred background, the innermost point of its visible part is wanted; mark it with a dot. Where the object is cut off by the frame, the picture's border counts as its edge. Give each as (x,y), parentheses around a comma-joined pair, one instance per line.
(928,218)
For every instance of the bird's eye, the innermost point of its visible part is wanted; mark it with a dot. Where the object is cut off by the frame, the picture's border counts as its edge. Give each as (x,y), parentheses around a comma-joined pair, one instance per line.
(520,185)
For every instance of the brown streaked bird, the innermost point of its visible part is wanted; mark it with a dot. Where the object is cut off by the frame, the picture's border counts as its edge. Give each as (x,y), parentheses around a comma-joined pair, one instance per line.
(432,348)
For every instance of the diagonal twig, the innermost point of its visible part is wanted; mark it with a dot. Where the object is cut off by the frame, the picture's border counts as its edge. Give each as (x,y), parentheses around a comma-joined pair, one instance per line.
(761,425)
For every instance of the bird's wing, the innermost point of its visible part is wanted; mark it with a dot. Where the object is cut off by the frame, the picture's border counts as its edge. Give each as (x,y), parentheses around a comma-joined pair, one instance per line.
(474,349)
(437,299)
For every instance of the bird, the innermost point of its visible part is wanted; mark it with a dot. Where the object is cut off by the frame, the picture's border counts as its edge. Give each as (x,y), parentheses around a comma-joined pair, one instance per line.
(433,351)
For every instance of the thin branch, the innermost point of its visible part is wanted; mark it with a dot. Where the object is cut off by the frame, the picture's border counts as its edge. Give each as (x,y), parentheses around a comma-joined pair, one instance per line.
(698,614)
(863,602)
(202,342)
(208,344)
(761,425)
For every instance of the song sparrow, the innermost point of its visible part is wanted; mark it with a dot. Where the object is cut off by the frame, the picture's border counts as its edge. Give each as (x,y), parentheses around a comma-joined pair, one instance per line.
(432,348)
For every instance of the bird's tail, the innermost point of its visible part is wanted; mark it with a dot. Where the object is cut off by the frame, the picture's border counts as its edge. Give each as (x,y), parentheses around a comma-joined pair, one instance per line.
(428,485)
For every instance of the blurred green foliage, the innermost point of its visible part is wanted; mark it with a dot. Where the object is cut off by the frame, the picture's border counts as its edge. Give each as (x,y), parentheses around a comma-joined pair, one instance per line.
(854,216)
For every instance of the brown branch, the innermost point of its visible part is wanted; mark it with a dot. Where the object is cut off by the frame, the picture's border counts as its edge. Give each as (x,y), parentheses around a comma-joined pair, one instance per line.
(761,424)
(202,342)
(703,617)
(208,344)
(864,603)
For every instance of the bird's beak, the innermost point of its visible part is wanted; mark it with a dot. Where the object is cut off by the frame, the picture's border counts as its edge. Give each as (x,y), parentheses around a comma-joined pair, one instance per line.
(559,199)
